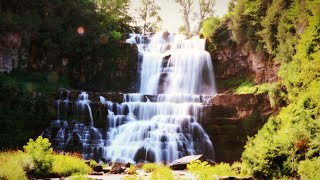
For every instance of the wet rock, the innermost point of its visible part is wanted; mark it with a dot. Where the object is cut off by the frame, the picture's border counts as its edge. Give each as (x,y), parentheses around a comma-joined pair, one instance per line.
(96,173)
(181,164)
(107,169)
(97,168)
(117,168)
(235,178)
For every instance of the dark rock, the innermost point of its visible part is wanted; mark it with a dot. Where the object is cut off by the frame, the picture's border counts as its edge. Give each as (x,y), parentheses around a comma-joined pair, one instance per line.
(231,118)
(87,162)
(107,169)
(96,173)
(117,168)
(235,178)
(127,165)
(97,168)
(181,164)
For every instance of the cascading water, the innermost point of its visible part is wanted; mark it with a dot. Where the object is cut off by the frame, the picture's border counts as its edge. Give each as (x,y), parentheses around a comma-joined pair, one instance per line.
(160,122)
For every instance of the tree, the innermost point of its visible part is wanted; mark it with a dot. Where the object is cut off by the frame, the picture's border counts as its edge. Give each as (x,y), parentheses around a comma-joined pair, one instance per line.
(205,10)
(149,15)
(186,8)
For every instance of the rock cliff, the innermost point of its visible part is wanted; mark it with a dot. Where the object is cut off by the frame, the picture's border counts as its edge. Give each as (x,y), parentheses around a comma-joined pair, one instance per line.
(229,119)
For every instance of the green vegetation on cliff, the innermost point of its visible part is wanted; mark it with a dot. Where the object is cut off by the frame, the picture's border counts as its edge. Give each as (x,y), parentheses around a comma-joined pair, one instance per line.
(289,32)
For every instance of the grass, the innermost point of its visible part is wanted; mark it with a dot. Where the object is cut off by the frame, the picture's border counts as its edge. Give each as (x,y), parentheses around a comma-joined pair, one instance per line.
(150,167)
(162,173)
(203,171)
(66,165)
(248,87)
(17,165)
(13,165)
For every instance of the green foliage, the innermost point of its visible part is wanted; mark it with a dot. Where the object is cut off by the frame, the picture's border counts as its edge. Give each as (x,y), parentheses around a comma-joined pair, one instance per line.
(149,15)
(203,171)
(310,169)
(41,155)
(248,87)
(38,161)
(132,170)
(78,177)
(217,32)
(28,94)
(210,26)
(231,83)
(92,163)
(246,22)
(69,165)
(150,167)
(14,164)
(162,172)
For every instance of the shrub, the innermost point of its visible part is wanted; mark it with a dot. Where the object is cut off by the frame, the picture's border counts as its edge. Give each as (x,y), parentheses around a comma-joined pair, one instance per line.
(132,169)
(13,165)
(150,167)
(161,173)
(93,163)
(309,169)
(69,165)
(202,170)
(41,155)
(248,87)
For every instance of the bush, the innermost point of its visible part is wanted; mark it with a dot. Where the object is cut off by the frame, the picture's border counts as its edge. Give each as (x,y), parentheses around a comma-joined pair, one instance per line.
(41,155)
(162,173)
(248,87)
(14,164)
(150,167)
(202,170)
(69,165)
(309,169)
(132,169)
(93,163)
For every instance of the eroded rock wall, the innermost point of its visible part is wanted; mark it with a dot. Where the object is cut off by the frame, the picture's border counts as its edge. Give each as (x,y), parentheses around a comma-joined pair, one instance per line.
(235,61)
(9,51)
(231,118)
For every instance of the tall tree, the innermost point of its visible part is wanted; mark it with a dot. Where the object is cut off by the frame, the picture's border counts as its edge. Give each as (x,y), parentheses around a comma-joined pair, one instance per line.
(205,10)
(186,8)
(149,15)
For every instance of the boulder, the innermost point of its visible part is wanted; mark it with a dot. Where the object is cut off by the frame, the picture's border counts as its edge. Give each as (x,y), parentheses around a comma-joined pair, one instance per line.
(181,164)
(117,168)
(97,168)
(107,169)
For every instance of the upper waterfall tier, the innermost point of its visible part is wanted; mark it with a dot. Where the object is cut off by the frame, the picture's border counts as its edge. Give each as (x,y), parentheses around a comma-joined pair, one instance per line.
(172,64)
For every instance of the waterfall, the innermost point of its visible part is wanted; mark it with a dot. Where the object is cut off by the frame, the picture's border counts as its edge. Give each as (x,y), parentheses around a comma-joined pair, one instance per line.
(160,123)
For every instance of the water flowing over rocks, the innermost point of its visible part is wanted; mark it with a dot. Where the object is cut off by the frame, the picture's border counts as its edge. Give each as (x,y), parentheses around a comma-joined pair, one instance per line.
(159,126)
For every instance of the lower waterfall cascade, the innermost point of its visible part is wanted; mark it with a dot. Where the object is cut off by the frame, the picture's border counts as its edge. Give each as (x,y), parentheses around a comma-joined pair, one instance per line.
(158,124)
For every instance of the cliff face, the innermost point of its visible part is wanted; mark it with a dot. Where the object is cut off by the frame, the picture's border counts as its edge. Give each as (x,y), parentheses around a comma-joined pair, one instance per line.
(9,51)
(236,61)
(230,119)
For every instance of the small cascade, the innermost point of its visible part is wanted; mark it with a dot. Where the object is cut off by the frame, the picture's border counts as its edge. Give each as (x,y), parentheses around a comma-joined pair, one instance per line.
(83,103)
(160,123)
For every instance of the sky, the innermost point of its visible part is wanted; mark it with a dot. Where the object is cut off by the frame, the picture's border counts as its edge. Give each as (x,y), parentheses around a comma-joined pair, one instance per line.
(172,18)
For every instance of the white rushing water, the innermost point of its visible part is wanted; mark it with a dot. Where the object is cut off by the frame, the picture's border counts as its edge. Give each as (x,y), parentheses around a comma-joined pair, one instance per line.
(160,123)
(177,71)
